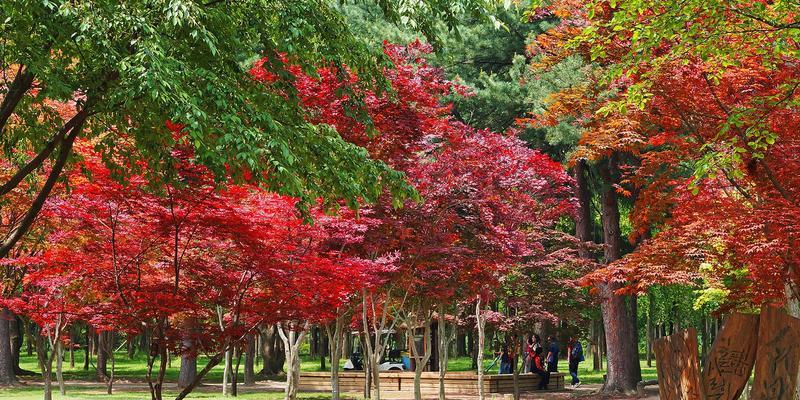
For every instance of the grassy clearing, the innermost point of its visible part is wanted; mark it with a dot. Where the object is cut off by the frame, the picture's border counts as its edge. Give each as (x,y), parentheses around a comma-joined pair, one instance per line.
(134,370)
(77,393)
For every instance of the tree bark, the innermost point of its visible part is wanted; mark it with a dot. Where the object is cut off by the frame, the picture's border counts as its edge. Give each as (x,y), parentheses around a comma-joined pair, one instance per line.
(28,336)
(651,309)
(291,342)
(87,350)
(480,322)
(444,339)
(425,357)
(102,357)
(188,369)
(271,352)
(74,126)
(336,339)
(793,309)
(7,376)
(22,82)
(16,330)
(623,358)
(583,218)
(249,360)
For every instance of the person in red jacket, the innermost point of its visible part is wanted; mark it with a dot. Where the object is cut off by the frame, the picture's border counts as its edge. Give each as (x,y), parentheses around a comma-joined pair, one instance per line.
(537,367)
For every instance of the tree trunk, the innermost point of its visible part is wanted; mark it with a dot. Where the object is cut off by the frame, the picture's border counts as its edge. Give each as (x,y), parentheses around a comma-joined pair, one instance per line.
(226,369)
(461,345)
(323,349)
(188,371)
(444,345)
(651,309)
(291,343)
(237,355)
(131,347)
(623,358)
(473,352)
(480,321)
(73,339)
(46,364)
(583,218)
(87,351)
(793,309)
(102,356)
(336,340)
(519,345)
(28,336)
(421,360)
(272,352)
(59,364)
(249,360)
(144,342)
(7,376)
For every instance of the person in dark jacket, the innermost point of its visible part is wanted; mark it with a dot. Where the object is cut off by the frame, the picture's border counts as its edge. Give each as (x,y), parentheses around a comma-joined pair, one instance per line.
(506,360)
(574,357)
(552,354)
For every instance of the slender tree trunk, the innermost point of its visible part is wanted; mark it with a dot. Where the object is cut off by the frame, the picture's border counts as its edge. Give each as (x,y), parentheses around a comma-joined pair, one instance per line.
(444,348)
(46,364)
(226,372)
(473,352)
(7,375)
(583,218)
(336,339)
(102,356)
(291,342)
(28,337)
(323,348)
(370,362)
(595,346)
(480,321)
(110,353)
(237,355)
(73,339)
(623,357)
(87,351)
(131,347)
(519,345)
(59,363)
(651,309)
(249,360)
(421,360)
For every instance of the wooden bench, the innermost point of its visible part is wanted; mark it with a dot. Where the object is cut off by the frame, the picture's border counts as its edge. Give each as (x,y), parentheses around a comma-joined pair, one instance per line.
(455,382)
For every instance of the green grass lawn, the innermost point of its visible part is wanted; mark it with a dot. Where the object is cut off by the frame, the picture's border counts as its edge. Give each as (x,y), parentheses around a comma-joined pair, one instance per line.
(135,369)
(77,393)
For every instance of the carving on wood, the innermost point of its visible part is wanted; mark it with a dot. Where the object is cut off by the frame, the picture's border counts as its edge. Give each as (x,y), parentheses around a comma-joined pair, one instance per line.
(777,356)
(731,359)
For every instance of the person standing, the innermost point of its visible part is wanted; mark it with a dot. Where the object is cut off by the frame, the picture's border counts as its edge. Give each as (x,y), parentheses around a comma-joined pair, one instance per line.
(537,342)
(506,360)
(574,357)
(528,355)
(552,354)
